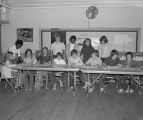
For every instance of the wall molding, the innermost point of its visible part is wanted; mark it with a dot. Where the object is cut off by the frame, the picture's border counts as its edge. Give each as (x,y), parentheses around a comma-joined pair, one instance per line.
(81,3)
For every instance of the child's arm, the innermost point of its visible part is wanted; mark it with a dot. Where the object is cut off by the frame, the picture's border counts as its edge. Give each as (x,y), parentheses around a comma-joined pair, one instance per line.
(88,62)
(69,62)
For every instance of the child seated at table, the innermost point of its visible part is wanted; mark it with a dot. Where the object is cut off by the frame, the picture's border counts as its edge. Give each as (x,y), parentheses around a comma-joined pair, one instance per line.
(112,62)
(29,75)
(74,61)
(94,61)
(59,62)
(7,71)
(128,64)
(43,58)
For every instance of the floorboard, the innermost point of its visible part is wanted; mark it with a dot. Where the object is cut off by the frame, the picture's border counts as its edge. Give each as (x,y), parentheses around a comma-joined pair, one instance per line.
(63,105)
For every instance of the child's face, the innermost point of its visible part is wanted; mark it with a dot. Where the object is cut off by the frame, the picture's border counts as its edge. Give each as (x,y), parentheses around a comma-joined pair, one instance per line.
(44,52)
(10,56)
(94,55)
(18,46)
(59,57)
(28,54)
(102,42)
(74,55)
(57,39)
(72,41)
(87,43)
(114,57)
(129,58)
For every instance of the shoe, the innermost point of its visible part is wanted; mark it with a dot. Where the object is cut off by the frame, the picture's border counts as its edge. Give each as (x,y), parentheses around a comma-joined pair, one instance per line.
(131,91)
(70,88)
(120,91)
(127,91)
(90,90)
(101,89)
(61,84)
(26,89)
(85,86)
(30,89)
(55,87)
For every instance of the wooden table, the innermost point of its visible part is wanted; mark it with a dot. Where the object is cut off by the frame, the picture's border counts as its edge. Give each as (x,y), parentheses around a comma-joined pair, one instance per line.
(50,68)
(121,71)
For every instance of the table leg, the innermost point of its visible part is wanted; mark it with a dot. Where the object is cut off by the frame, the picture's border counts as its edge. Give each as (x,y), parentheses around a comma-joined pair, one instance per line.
(47,79)
(136,82)
(92,82)
(68,81)
(88,86)
(74,80)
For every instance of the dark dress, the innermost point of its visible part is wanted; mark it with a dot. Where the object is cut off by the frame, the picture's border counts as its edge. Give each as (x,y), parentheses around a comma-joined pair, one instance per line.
(44,59)
(86,51)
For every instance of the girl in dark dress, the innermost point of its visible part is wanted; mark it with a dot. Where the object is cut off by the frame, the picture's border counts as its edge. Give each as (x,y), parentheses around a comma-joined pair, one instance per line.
(44,58)
(87,50)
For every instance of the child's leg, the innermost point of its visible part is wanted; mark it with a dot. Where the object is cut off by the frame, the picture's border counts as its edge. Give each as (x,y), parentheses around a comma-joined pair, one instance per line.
(84,78)
(124,83)
(12,81)
(31,78)
(38,79)
(132,83)
(64,79)
(94,77)
(26,85)
(52,78)
(71,79)
(102,82)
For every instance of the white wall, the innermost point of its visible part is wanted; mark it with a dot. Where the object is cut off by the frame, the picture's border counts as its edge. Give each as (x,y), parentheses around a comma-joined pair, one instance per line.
(68,17)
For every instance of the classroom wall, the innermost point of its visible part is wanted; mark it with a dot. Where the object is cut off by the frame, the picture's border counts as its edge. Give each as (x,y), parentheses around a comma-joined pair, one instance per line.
(68,17)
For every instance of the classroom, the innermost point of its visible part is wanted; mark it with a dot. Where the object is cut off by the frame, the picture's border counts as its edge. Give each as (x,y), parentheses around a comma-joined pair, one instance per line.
(71,59)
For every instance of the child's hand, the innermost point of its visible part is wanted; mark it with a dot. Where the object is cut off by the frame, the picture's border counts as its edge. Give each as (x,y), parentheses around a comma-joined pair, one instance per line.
(108,67)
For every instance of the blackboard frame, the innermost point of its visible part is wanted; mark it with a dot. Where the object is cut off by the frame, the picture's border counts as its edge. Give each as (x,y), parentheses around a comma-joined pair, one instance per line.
(136,30)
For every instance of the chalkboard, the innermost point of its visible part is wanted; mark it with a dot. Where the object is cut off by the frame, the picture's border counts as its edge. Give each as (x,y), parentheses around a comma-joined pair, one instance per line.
(122,39)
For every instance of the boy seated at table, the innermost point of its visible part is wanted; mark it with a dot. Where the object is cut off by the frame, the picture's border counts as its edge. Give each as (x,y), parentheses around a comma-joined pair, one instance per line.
(94,61)
(7,71)
(29,75)
(128,64)
(74,61)
(112,62)
(59,62)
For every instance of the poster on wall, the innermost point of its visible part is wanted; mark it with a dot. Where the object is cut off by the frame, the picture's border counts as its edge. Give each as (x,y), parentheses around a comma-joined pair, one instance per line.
(25,34)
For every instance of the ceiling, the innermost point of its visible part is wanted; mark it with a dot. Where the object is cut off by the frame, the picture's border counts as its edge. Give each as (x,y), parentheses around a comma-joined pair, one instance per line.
(53,3)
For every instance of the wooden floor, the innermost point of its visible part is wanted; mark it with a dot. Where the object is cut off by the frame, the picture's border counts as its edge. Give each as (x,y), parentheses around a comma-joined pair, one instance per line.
(62,105)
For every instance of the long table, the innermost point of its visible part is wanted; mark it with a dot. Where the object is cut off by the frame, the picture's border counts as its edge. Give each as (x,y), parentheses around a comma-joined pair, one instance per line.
(121,71)
(50,68)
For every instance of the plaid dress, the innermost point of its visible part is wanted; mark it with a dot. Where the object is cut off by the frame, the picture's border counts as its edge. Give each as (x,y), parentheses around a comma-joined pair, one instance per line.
(40,74)
(18,77)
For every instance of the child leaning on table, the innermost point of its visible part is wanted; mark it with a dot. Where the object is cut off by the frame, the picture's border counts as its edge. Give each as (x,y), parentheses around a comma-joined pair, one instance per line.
(7,71)
(129,63)
(93,61)
(29,75)
(59,62)
(74,61)
(112,62)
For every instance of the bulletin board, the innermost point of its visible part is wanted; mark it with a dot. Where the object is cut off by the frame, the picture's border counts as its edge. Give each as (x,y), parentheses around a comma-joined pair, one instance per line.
(122,39)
